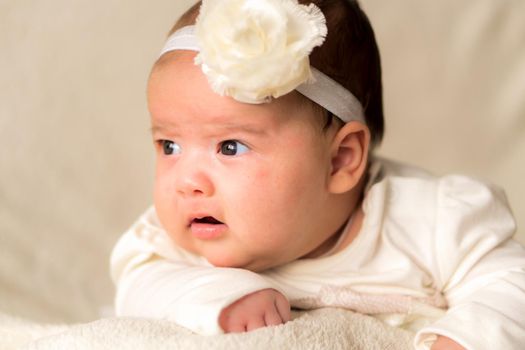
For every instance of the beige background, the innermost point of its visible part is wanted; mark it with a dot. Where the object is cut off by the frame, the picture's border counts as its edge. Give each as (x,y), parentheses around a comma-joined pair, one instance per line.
(76,162)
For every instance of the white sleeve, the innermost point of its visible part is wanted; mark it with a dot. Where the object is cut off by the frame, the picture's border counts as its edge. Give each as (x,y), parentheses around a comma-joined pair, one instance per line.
(156,280)
(479,268)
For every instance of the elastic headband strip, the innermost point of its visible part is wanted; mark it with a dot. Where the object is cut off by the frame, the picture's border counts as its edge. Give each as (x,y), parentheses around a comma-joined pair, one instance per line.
(323,90)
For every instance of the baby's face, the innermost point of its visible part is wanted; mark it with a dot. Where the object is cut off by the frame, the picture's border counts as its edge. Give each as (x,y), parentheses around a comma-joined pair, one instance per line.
(242,185)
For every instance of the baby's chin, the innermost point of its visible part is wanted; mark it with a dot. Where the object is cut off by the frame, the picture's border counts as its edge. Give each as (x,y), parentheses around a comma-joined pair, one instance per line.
(246,263)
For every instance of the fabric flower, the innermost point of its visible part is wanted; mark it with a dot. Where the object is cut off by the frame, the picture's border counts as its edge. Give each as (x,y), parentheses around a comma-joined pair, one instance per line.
(253,50)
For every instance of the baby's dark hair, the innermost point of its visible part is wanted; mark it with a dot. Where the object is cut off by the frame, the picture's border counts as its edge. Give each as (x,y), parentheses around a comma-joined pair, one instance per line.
(349,55)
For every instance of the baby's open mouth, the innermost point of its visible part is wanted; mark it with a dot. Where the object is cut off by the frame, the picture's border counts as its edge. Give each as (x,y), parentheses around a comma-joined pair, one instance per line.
(207,228)
(207,220)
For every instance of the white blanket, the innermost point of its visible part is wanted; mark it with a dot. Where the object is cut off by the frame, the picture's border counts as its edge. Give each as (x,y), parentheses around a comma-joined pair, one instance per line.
(319,329)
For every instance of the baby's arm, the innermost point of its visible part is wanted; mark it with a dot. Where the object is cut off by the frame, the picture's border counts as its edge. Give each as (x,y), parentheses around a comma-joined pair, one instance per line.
(192,296)
(486,312)
(264,308)
(480,269)
(182,287)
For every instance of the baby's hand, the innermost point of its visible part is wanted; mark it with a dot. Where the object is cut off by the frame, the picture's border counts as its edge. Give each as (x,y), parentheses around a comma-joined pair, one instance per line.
(445,343)
(266,307)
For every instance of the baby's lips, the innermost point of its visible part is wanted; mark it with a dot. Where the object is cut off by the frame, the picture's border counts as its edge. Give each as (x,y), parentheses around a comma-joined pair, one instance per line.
(207,220)
(204,219)
(207,228)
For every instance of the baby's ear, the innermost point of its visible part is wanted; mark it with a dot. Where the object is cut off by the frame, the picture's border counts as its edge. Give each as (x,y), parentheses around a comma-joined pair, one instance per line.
(349,156)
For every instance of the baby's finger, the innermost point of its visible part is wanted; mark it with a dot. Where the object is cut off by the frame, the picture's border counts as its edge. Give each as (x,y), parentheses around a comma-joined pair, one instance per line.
(255,322)
(236,327)
(231,324)
(283,307)
(273,318)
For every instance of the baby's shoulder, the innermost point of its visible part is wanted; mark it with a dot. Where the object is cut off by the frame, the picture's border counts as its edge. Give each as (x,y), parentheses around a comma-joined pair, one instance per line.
(418,187)
(453,207)
(436,219)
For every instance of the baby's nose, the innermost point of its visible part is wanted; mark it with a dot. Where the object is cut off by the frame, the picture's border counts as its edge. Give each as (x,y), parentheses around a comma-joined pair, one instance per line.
(193,180)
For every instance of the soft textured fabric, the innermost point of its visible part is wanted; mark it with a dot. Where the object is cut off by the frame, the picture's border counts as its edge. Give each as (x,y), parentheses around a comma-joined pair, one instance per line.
(320,329)
(426,244)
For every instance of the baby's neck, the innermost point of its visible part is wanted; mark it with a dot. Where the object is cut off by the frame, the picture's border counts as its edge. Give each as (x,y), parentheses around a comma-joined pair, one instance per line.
(341,238)
(346,207)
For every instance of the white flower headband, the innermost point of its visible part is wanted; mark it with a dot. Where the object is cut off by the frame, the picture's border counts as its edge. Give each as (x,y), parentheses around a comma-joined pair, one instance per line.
(256,50)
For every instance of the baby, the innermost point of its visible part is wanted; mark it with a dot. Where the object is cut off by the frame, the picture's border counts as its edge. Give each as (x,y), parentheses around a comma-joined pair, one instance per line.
(265,115)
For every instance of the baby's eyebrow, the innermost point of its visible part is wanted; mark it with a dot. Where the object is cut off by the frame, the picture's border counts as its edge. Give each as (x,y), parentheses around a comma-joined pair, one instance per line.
(162,128)
(156,128)
(243,128)
(219,129)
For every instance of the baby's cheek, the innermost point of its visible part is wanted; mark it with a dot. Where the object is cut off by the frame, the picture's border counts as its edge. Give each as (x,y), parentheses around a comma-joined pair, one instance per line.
(163,188)
(165,206)
(261,174)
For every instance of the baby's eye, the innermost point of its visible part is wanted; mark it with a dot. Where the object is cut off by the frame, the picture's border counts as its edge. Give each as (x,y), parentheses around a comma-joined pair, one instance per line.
(232,148)
(169,147)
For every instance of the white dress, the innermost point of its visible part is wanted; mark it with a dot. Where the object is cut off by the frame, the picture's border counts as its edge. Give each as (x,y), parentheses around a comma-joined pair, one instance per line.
(435,248)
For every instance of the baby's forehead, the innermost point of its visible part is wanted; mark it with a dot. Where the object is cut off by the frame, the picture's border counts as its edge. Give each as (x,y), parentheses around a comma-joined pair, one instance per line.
(178,67)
